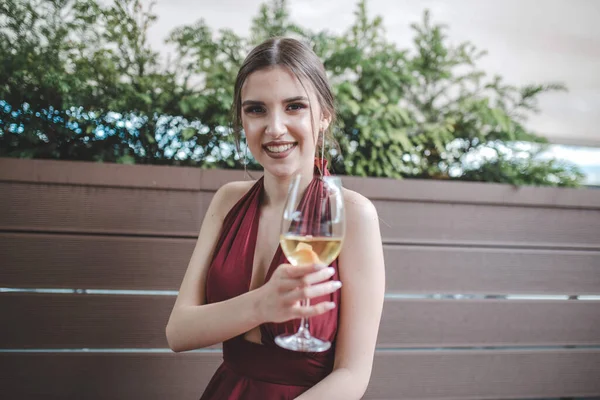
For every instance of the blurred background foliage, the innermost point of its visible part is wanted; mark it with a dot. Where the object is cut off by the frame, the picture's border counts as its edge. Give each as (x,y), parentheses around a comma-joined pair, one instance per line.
(79,81)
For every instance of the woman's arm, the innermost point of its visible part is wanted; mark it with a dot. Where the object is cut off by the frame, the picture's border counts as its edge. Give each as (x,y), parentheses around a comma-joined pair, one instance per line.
(194,324)
(362,273)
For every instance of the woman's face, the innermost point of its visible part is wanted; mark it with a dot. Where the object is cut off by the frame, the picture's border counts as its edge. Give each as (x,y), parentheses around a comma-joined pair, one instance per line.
(277,121)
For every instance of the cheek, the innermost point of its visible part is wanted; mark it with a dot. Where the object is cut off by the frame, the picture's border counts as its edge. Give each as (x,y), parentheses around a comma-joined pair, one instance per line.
(305,129)
(250,128)
(253,137)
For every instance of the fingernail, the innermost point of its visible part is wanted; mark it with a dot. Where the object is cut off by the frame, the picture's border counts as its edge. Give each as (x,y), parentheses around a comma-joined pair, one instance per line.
(337,284)
(331,270)
(330,306)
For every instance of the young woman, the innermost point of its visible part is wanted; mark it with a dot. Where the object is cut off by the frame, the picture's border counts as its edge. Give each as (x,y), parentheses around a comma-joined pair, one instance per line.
(239,288)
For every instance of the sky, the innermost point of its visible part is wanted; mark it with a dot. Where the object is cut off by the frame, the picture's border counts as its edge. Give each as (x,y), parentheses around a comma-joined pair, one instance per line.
(528,41)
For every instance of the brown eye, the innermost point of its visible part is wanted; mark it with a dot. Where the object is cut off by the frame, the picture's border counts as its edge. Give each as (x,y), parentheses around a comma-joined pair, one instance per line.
(296,106)
(254,110)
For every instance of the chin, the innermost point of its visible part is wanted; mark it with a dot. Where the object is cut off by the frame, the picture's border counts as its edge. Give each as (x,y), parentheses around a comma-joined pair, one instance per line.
(281,170)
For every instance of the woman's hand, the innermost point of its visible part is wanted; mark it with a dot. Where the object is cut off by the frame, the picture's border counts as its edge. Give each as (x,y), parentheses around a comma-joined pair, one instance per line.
(281,295)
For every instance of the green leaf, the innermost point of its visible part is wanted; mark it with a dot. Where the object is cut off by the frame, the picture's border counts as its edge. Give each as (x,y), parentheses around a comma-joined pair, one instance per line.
(354,107)
(126,159)
(402,138)
(355,91)
(405,116)
(150,138)
(188,133)
(502,119)
(185,107)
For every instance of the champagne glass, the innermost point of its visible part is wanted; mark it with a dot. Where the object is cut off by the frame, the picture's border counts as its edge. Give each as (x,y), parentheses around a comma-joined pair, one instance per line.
(312,232)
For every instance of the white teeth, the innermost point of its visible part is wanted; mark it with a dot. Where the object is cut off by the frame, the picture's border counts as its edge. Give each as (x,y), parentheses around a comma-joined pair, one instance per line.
(280,149)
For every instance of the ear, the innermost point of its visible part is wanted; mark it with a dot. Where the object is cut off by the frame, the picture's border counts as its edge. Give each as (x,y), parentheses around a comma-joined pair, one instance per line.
(325,120)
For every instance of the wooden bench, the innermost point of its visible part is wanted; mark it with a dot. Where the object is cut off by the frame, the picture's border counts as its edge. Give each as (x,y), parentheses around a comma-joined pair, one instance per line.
(108,246)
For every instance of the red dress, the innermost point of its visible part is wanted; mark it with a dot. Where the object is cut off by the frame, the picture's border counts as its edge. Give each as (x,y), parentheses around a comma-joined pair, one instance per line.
(262,371)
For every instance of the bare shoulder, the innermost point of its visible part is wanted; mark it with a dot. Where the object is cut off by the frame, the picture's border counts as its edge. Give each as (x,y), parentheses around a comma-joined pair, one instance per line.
(227,195)
(358,207)
(234,190)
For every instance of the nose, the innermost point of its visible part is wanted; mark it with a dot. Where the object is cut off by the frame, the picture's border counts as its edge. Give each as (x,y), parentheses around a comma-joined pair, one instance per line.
(275,124)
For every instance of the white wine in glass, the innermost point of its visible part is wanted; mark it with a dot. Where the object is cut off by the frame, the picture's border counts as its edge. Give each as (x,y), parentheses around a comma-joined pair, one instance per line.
(312,232)
(307,250)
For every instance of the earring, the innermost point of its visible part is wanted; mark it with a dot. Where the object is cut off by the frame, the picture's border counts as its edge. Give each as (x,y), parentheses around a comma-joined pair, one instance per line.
(321,160)
(246,160)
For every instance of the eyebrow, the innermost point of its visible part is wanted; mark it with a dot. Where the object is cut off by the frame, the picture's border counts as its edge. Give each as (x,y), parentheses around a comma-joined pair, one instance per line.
(288,100)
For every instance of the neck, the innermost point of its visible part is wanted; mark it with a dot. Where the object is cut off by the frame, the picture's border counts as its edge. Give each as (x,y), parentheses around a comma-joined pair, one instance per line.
(276,188)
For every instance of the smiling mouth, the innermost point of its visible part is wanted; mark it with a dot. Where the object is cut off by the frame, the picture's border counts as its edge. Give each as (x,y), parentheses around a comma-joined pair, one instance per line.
(279,148)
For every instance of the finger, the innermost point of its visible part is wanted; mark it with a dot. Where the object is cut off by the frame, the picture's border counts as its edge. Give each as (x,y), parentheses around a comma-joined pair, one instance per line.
(319,276)
(287,284)
(314,310)
(308,292)
(290,271)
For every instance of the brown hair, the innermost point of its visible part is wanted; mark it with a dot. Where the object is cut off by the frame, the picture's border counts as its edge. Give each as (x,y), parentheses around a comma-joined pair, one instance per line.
(303,63)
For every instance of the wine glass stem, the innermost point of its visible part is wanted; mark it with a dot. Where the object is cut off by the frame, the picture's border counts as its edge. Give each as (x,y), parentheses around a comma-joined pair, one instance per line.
(304,326)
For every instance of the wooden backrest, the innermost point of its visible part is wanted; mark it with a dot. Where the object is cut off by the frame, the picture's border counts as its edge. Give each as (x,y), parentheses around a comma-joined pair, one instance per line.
(105,248)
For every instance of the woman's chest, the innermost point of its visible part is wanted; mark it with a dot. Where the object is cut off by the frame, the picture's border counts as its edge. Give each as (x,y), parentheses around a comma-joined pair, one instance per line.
(267,244)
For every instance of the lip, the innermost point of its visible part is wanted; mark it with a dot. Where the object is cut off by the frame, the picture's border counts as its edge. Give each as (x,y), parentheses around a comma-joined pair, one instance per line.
(277,143)
(282,154)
